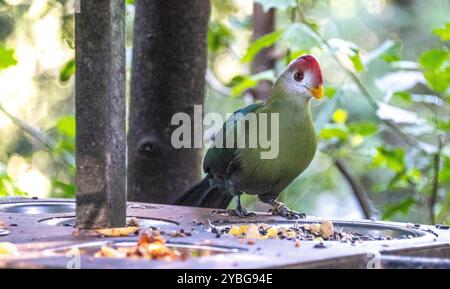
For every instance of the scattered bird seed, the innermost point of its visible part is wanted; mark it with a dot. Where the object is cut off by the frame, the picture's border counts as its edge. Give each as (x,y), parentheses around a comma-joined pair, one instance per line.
(442,226)
(320,245)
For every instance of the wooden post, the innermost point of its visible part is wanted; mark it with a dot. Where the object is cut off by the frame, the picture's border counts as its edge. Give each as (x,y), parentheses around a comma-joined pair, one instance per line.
(168,76)
(100,114)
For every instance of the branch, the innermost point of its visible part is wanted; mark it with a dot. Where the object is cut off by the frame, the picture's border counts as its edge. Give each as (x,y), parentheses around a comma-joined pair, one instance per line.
(357,188)
(40,137)
(435,184)
(216,84)
(28,129)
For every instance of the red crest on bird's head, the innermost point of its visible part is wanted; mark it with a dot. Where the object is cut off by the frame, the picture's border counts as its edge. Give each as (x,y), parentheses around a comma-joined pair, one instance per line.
(308,63)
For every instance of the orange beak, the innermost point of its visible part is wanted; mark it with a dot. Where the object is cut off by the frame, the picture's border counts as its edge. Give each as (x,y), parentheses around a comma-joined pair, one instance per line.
(317,92)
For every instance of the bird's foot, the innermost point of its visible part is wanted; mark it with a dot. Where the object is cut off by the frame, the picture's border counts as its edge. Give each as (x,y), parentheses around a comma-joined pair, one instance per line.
(280,209)
(242,212)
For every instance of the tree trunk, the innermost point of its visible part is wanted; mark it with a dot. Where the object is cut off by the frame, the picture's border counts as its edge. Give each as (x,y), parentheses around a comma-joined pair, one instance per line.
(100,114)
(169,63)
(263,23)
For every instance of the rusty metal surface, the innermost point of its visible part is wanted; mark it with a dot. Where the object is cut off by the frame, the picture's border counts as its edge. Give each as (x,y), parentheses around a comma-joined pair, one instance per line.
(34,237)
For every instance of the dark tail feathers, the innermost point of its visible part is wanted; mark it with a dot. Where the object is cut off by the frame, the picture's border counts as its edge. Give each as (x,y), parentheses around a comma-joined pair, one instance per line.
(205,194)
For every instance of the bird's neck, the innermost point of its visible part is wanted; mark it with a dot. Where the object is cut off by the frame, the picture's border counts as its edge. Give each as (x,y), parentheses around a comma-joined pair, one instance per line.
(298,105)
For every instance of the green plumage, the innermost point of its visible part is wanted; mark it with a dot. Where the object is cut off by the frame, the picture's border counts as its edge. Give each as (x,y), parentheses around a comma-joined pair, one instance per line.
(237,170)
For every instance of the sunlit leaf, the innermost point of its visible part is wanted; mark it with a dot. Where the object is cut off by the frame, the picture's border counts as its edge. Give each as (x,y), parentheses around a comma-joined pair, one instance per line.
(357,62)
(7,57)
(333,132)
(438,80)
(390,158)
(67,71)
(219,36)
(261,43)
(248,82)
(433,59)
(363,128)
(351,50)
(443,32)
(444,174)
(66,126)
(330,91)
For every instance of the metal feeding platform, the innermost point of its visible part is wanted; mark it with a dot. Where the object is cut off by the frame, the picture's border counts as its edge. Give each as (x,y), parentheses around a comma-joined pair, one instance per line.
(43,234)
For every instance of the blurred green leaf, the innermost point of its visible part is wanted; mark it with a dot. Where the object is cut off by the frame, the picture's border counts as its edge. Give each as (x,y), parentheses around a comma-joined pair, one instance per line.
(443,32)
(130,2)
(66,126)
(444,175)
(278,4)
(333,132)
(8,188)
(392,159)
(67,71)
(297,37)
(388,51)
(63,190)
(219,36)
(260,43)
(438,80)
(433,59)
(402,207)
(363,128)
(7,57)
(392,53)
(330,91)
(246,82)
(357,62)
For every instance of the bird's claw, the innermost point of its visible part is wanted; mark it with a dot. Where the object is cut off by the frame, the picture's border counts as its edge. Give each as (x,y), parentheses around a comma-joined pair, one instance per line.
(242,213)
(285,212)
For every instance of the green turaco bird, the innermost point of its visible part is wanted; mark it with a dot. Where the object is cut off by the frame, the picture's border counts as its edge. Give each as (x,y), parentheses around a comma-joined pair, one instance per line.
(231,171)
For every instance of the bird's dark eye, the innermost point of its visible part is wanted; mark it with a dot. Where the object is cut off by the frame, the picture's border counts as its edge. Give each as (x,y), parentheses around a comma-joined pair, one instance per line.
(298,76)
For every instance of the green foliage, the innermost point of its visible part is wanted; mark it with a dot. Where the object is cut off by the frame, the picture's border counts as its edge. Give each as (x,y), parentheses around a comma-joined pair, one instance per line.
(436,67)
(243,83)
(7,57)
(402,207)
(219,36)
(67,71)
(8,187)
(444,32)
(260,43)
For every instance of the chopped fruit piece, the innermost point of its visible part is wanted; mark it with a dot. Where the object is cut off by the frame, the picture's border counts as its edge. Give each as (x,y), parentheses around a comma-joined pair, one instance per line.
(327,229)
(8,249)
(315,228)
(117,232)
(272,232)
(235,231)
(252,232)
